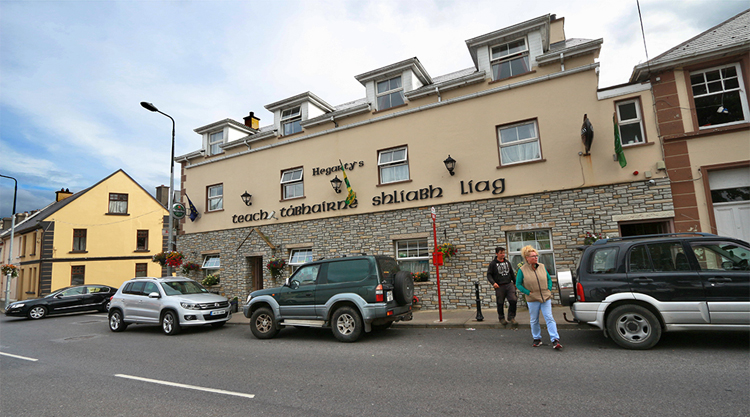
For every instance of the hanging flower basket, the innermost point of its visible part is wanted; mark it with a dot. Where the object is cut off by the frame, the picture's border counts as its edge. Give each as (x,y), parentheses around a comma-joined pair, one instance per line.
(189,267)
(9,269)
(592,237)
(275,266)
(420,276)
(173,258)
(448,250)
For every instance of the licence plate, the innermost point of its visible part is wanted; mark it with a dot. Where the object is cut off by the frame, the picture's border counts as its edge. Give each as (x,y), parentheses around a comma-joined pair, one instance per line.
(217,312)
(389,297)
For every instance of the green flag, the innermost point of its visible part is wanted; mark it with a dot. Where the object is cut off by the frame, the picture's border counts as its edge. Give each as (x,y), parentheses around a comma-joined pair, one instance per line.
(618,146)
(352,195)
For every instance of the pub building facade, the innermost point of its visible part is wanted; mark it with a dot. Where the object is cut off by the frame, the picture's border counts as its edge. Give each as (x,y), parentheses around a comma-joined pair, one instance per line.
(512,123)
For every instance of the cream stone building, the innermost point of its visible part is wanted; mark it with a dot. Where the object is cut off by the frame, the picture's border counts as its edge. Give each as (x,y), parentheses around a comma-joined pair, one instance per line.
(513,125)
(105,234)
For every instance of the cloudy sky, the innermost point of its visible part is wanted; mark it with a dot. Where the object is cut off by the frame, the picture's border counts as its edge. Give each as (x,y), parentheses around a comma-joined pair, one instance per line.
(72,73)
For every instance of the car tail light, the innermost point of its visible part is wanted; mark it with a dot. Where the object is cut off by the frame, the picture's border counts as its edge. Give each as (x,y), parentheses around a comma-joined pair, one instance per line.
(379,293)
(579,292)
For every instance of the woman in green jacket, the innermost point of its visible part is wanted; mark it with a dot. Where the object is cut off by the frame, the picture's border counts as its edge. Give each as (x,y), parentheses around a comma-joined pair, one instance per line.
(534,281)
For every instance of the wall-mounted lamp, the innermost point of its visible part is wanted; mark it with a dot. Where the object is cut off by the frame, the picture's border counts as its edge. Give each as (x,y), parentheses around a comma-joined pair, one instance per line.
(336,184)
(246,198)
(450,163)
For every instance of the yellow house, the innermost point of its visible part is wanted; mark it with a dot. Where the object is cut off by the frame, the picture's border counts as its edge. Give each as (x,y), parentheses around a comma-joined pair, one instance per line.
(105,234)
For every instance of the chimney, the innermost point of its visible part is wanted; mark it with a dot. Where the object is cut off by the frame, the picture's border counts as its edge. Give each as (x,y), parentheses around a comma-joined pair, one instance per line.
(162,194)
(62,194)
(252,122)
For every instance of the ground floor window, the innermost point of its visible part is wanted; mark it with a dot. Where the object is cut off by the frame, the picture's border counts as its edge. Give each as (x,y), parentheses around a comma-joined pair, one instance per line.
(211,265)
(141,270)
(541,240)
(77,275)
(414,256)
(297,257)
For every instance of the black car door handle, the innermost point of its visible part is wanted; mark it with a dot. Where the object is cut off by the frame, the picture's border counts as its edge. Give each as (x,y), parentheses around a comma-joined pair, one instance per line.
(642,280)
(720,279)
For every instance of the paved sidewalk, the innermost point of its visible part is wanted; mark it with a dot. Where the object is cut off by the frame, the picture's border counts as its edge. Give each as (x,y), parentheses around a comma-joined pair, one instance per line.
(461,318)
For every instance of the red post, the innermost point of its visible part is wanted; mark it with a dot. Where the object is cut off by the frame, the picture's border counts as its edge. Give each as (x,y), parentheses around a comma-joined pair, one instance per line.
(437,266)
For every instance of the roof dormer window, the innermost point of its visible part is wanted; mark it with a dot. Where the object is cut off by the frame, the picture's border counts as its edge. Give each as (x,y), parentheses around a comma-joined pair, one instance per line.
(214,140)
(510,59)
(290,121)
(390,93)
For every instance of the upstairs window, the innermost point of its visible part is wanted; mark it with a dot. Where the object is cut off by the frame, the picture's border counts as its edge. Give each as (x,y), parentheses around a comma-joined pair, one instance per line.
(717,96)
(298,257)
(290,121)
(393,165)
(214,140)
(292,185)
(510,59)
(118,203)
(141,240)
(519,143)
(79,240)
(390,93)
(630,122)
(215,195)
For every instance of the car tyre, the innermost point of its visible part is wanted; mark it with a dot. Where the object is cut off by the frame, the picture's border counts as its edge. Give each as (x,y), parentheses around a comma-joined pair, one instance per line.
(263,323)
(170,323)
(633,327)
(37,312)
(403,290)
(346,324)
(116,322)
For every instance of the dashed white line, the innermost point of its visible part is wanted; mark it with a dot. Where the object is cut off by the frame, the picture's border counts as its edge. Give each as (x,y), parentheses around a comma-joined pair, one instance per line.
(19,357)
(174,384)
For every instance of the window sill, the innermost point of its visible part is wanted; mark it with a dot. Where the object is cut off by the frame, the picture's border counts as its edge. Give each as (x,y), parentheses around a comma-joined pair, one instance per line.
(213,211)
(292,199)
(215,154)
(390,108)
(709,131)
(392,183)
(289,136)
(637,145)
(141,250)
(117,214)
(522,163)
(511,77)
(79,251)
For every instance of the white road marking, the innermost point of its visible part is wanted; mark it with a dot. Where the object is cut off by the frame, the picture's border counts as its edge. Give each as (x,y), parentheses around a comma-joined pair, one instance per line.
(174,384)
(19,357)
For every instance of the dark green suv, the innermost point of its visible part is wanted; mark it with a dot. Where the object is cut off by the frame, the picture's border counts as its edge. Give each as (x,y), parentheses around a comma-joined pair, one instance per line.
(350,295)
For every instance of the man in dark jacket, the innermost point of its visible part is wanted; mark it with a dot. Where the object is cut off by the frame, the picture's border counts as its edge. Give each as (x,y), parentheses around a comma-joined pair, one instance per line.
(500,275)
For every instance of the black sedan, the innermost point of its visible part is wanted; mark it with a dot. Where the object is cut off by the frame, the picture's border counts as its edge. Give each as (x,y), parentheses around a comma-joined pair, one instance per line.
(64,300)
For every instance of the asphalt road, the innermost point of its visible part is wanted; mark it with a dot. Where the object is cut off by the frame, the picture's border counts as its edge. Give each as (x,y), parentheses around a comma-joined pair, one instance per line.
(74,366)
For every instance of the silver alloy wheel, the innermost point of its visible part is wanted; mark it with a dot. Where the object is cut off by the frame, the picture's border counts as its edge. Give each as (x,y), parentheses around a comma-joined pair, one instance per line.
(633,327)
(167,323)
(37,312)
(346,324)
(114,321)
(264,323)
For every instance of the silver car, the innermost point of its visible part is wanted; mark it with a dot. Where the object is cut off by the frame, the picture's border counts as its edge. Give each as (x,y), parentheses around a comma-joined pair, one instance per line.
(172,302)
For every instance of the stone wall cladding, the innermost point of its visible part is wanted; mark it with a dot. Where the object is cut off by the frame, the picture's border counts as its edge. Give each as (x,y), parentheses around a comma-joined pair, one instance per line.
(474,227)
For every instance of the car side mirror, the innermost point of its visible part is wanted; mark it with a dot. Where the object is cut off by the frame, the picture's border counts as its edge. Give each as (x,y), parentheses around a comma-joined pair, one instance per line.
(154,295)
(294,284)
(58,296)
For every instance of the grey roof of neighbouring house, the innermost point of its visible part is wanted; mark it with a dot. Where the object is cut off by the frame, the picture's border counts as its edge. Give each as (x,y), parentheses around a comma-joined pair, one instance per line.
(726,37)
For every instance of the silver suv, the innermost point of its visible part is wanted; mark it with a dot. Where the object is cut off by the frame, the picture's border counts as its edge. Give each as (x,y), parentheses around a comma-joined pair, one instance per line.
(172,302)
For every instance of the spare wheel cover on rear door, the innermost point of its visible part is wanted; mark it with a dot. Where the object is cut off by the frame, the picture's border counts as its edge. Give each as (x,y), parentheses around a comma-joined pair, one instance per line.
(403,289)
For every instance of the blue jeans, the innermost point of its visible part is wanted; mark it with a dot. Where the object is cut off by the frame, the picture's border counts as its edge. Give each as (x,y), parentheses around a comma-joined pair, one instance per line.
(536,329)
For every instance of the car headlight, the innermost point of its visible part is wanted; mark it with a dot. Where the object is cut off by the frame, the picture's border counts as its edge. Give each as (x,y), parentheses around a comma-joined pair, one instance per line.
(19,305)
(190,306)
(249,297)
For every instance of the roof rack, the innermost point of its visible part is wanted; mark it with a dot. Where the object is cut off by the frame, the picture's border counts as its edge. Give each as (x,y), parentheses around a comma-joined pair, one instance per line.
(617,239)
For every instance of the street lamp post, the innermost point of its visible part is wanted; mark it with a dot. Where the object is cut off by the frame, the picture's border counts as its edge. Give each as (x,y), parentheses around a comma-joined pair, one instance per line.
(12,230)
(170,242)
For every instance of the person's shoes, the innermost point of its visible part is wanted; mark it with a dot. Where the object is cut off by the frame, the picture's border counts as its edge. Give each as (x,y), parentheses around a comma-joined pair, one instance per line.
(537,343)
(513,323)
(556,344)
(503,322)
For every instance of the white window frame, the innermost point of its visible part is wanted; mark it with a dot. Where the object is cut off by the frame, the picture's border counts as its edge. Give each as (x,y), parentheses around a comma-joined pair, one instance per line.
(398,90)
(534,139)
(544,247)
(290,180)
(214,140)
(500,57)
(211,265)
(216,201)
(413,255)
(291,118)
(299,257)
(740,89)
(636,102)
(386,165)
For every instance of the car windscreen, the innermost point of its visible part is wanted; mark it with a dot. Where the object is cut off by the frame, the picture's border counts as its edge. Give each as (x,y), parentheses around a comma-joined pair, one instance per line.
(182,287)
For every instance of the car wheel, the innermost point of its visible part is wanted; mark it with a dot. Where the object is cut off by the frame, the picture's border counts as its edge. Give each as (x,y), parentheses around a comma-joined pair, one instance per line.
(403,290)
(116,324)
(37,312)
(633,327)
(170,324)
(346,324)
(219,324)
(263,323)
